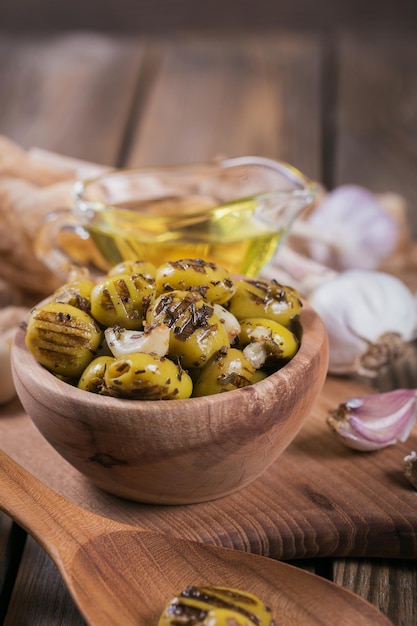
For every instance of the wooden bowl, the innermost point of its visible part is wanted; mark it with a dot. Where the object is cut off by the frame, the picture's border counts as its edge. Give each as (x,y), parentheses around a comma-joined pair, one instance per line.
(175,451)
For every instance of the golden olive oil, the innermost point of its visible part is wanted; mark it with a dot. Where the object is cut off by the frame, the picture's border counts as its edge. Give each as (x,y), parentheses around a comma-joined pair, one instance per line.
(230,235)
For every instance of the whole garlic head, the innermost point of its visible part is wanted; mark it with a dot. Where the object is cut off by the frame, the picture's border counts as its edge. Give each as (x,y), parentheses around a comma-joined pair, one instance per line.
(370,318)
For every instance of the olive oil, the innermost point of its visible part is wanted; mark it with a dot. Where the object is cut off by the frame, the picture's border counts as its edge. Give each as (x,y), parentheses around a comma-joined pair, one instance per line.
(231,235)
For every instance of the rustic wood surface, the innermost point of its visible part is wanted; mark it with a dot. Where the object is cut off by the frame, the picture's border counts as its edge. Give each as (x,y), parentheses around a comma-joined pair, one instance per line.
(317,499)
(342,108)
(120,574)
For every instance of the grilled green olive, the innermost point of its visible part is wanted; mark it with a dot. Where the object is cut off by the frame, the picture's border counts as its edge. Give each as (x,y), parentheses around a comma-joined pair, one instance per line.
(196,332)
(62,338)
(215,606)
(77,293)
(146,268)
(121,300)
(227,370)
(214,283)
(263,298)
(92,378)
(264,341)
(147,377)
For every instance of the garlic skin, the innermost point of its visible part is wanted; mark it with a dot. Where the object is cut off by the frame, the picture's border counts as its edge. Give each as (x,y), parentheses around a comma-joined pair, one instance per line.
(370,318)
(123,342)
(373,422)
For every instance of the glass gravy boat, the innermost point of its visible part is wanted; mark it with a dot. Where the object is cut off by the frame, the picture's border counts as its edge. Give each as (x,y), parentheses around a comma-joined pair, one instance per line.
(234,212)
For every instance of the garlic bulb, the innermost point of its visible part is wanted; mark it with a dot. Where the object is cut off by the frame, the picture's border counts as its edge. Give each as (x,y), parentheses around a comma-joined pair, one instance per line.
(350,229)
(370,318)
(375,421)
(123,342)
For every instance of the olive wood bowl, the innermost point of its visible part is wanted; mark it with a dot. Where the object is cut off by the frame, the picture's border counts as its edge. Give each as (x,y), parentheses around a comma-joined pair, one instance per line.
(176,451)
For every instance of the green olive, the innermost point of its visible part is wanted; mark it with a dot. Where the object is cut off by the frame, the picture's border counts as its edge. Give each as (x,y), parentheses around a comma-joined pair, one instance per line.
(214,283)
(277,340)
(267,299)
(147,377)
(259,375)
(227,370)
(77,293)
(217,606)
(122,300)
(146,268)
(196,332)
(63,338)
(92,378)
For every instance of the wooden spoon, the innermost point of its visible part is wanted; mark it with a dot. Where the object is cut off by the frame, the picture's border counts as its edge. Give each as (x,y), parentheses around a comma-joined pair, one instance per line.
(120,574)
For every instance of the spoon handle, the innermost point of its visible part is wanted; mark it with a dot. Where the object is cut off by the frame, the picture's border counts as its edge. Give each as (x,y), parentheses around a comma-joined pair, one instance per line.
(41,511)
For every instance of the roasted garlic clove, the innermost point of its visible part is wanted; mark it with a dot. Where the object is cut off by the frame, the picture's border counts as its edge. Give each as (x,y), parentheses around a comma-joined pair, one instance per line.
(266,341)
(123,342)
(229,321)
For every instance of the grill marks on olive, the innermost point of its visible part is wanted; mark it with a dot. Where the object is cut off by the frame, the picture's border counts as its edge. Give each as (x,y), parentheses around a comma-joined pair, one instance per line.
(192,606)
(185,316)
(271,291)
(147,377)
(125,299)
(198,265)
(61,331)
(233,378)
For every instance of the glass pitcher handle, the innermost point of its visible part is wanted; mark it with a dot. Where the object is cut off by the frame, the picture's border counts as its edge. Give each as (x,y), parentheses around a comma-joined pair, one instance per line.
(63,245)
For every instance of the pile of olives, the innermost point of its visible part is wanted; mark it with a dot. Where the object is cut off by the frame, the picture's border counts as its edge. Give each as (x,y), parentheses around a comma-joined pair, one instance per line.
(185,328)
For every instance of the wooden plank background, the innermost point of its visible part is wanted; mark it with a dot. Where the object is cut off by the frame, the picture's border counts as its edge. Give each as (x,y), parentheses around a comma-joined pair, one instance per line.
(156,16)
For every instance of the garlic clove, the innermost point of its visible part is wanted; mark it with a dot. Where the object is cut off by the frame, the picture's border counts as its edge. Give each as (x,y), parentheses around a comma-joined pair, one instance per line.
(123,342)
(257,354)
(373,422)
(229,321)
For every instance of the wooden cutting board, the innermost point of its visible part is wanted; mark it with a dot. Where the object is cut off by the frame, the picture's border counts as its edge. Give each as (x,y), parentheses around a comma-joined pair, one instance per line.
(318,499)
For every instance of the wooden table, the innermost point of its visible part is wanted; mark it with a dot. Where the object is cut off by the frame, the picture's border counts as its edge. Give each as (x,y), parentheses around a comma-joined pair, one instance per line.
(342,108)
